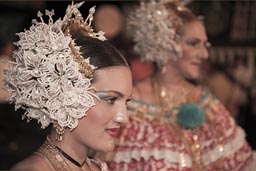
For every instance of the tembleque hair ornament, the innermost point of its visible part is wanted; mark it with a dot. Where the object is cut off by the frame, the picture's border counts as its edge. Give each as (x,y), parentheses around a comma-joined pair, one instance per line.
(153,30)
(49,78)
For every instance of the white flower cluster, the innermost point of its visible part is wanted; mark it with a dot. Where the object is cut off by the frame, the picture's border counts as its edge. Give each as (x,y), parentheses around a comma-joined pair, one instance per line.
(153,32)
(45,79)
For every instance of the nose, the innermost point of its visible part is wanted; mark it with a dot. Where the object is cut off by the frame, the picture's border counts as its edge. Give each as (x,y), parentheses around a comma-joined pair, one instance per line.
(121,116)
(204,53)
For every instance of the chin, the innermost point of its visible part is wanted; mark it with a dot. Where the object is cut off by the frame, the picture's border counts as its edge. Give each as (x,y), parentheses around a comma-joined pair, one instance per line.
(195,74)
(195,78)
(108,148)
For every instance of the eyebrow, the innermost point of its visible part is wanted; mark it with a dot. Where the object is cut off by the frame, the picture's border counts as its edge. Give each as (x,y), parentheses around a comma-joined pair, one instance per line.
(192,39)
(113,91)
(198,39)
(110,91)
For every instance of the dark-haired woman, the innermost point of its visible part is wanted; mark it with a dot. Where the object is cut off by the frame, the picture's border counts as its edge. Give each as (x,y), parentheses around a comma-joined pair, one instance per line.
(63,76)
(176,125)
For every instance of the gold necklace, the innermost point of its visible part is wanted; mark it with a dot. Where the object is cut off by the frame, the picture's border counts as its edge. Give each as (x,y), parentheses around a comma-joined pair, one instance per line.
(56,160)
(53,156)
(169,100)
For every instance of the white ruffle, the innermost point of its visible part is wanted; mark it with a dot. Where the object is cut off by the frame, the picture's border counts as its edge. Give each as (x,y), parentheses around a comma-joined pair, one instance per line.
(171,156)
(230,148)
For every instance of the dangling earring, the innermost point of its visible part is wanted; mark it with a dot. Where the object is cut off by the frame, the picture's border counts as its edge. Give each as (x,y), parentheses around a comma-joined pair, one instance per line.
(59,131)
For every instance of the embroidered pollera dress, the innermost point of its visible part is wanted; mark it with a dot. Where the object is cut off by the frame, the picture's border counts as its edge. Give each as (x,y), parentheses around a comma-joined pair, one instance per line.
(152,141)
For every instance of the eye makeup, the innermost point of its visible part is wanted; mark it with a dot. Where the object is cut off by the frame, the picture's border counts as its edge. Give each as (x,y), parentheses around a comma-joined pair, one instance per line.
(197,43)
(110,96)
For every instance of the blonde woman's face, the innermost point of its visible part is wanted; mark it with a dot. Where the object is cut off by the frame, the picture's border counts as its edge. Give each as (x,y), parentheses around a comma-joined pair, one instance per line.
(193,43)
(101,126)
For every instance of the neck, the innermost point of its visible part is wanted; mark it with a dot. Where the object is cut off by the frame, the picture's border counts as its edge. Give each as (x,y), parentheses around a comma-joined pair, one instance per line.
(170,77)
(75,150)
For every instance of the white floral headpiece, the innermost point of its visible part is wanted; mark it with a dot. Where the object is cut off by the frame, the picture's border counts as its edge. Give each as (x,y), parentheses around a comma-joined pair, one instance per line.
(152,28)
(49,78)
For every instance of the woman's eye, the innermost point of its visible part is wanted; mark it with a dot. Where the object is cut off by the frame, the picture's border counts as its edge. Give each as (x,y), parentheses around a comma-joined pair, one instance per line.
(128,100)
(194,44)
(110,100)
(197,44)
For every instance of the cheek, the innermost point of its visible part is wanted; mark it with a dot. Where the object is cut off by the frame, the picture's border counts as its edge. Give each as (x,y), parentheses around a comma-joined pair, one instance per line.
(185,68)
(183,63)
(188,53)
(99,115)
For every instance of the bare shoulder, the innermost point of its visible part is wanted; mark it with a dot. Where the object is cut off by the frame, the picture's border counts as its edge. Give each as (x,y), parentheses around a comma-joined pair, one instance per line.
(32,163)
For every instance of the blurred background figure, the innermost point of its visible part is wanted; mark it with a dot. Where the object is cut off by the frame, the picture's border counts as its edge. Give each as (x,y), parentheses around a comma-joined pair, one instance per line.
(6,49)
(111,17)
(176,123)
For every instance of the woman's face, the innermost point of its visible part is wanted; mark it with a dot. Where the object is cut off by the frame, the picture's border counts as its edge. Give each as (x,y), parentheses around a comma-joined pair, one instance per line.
(101,126)
(193,44)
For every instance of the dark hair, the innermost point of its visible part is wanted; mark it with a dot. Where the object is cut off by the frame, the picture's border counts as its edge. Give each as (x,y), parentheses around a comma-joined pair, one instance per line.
(102,54)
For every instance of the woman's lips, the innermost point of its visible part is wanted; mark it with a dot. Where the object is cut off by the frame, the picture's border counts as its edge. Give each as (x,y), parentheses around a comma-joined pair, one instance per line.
(113,132)
(196,64)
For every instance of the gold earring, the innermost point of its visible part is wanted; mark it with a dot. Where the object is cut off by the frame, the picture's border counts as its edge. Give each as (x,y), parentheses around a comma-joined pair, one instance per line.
(59,131)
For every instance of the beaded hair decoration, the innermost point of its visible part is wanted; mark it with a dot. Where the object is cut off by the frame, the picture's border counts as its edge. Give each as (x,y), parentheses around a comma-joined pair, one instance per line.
(153,29)
(49,78)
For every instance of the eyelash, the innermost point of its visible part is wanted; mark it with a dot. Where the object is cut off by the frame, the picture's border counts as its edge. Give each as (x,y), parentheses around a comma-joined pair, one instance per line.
(128,100)
(110,100)
(196,44)
(192,43)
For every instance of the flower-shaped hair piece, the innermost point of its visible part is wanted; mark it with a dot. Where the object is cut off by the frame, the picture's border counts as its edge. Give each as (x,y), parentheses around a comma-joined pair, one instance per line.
(49,78)
(153,29)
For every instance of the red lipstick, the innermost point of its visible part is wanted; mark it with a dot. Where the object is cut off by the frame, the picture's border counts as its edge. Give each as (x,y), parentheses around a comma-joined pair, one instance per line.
(113,132)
